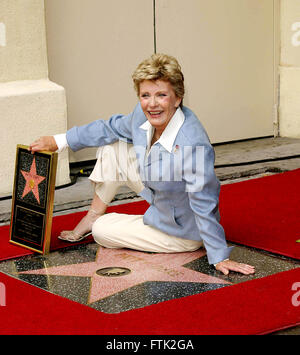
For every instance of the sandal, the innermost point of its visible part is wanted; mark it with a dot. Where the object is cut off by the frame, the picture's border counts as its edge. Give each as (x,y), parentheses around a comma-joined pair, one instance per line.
(83,228)
(73,237)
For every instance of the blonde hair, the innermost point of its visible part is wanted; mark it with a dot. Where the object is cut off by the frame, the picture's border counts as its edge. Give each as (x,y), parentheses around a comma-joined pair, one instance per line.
(160,67)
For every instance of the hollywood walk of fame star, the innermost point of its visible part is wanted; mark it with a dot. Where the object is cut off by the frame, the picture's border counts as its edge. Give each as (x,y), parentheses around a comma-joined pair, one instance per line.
(143,266)
(32,181)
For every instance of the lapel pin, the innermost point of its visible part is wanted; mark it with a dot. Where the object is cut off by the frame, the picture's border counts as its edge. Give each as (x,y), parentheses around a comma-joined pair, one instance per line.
(176,148)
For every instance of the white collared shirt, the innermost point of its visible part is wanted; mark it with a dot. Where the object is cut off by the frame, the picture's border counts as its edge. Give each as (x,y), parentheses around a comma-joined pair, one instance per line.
(61,142)
(169,134)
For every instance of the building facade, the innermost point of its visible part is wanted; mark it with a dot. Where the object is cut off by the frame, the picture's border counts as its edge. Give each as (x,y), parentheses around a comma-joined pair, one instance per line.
(68,62)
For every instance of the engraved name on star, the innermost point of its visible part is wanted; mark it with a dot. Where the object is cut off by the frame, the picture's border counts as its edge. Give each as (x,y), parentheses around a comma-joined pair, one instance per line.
(32,181)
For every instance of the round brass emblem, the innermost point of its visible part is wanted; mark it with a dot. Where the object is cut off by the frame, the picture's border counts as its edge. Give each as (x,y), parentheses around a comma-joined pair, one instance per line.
(113,271)
(31,184)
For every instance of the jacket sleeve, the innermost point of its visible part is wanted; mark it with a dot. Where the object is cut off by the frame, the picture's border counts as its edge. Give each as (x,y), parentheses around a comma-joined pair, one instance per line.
(203,189)
(101,132)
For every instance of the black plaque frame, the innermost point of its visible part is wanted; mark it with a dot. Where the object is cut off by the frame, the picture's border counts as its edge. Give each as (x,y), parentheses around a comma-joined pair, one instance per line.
(33,198)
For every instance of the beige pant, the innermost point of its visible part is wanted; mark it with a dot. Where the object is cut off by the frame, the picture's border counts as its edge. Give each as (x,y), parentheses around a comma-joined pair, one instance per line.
(116,166)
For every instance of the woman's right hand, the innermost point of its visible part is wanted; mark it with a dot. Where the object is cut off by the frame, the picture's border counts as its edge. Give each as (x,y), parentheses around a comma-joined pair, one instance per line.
(47,143)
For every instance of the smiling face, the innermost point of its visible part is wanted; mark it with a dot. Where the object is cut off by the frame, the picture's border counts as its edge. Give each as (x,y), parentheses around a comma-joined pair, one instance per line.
(159,102)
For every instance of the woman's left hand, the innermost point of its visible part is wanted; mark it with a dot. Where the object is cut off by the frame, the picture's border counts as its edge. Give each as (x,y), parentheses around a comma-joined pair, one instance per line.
(230,265)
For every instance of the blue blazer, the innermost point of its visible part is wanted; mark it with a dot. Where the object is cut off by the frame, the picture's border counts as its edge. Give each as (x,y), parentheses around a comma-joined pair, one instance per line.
(181,187)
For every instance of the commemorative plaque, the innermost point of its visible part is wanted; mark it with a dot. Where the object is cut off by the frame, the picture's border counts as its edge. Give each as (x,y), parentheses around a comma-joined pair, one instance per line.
(33,198)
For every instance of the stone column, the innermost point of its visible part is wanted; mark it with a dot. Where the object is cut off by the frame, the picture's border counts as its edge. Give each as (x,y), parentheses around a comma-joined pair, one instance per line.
(289,109)
(30,104)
